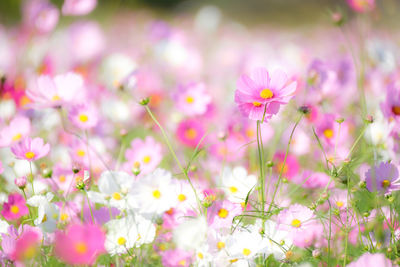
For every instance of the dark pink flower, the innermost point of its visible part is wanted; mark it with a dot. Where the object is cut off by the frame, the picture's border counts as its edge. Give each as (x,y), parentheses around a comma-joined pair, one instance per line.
(15,207)
(362,6)
(190,132)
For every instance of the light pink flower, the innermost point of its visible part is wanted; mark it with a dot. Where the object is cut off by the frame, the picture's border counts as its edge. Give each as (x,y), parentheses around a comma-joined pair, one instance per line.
(176,257)
(221,214)
(310,179)
(261,92)
(78,7)
(41,15)
(383,178)
(15,207)
(192,99)
(371,260)
(362,6)
(144,155)
(296,219)
(79,244)
(18,128)
(30,149)
(57,91)
(190,132)
(84,116)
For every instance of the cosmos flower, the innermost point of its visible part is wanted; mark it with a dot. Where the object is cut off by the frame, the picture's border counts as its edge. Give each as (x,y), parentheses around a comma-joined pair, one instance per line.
(244,246)
(79,244)
(221,214)
(383,178)
(391,106)
(15,207)
(362,6)
(192,99)
(27,246)
(176,257)
(18,128)
(263,92)
(78,7)
(41,16)
(237,183)
(83,116)
(30,149)
(296,219)
(371,260)
(190,132)
(57,91)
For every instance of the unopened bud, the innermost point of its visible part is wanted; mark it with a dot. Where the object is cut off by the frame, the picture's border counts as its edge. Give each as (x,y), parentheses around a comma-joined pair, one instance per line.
(144,101)
(20,182)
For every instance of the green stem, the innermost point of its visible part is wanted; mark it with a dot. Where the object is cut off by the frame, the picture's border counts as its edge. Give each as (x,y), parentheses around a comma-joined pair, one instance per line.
(90,207)
(31,178)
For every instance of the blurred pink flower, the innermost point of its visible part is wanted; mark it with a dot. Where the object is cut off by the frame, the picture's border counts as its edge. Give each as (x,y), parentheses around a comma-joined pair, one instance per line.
(78,7)
(371,260)
(190,132)
(262,92)
(391,107)
(40,15)
(79,244)
(383,178)
(83,116)
(291,167)
(310,179)
(18,128)
(362,6)
(176,257)
(30,149)
(26,246)
(15,207)
(221,214)
(192,99)
(57,91)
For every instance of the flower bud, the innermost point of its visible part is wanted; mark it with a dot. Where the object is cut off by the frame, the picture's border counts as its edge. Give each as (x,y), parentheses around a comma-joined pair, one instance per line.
(20,182)
(144,101)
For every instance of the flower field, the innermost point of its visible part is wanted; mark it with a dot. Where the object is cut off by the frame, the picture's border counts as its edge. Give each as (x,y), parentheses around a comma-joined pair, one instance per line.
(140,139)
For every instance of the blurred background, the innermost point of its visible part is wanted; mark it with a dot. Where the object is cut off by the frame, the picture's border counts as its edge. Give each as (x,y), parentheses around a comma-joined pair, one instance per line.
(282,12)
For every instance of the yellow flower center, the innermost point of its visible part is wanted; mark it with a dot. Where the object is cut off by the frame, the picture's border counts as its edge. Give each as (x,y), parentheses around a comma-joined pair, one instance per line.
(190,133)
(116,196)
(121,241)
(29,155)
(14,209)
(266,94)
(44,218)
(296,223)
(182,262)
(233,189)
(200,255)
(256,104)
(17,137)
(189,99)
(64,216)
(146,159)
(62,178)
(385,183)
(233,260)
(80,153)
(280,166)
(83,117)
(156,194)
(55,98)
(220,245)
(328,133)
(136,164)
(246,251)
(181,197)
(339,203)
(81,247)
(223,213)
(29,252)
(250,133)
(396,110)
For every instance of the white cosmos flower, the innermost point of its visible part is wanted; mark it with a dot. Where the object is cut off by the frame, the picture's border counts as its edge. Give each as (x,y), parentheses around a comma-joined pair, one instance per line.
(154,193)
(237,184)
(126,233)
(48,212)
(115,69)
(113,187)
(190,234)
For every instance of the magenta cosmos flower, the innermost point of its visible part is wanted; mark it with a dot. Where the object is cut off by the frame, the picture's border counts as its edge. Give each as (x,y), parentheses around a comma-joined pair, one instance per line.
(190,132)
(383,178)
(263,92)
(80,244)
(30,149)
(362,6)
(27,246)
(15,207)
(391,106)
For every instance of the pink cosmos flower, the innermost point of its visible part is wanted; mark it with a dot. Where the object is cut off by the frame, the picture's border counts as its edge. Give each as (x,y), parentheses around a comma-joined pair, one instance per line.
(383,178)
(144,155)
(84,116)
(371,260)
(41,15)
(190,132)
(192,99)
(26,246)
(18,128)
(391,107)
(80,244)
(291,167)
(57,91)
(362,6)
(310,179)
(296,219)
(30,149)
(262,92)
(221,214)
(78,7)
(15,207)
(229,149)
(176,257)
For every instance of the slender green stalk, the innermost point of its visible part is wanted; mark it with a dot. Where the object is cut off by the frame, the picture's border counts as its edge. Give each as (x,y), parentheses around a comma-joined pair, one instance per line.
(90,207)
(31,178)
(171,150)
(284,162)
